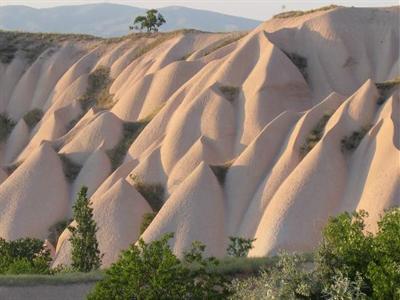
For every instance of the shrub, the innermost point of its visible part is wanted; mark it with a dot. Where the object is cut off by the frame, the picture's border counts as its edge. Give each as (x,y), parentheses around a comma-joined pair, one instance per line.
(351,142)
(288,279)
(152,271)
(24,256)
(239,247)
(85,248)
(71,169)
(56,230)
(386,88)
(146,221)
(221,170)
(97,93)
(33,117)
(131,131)
(230,92)
(300,62)
(152,192)
(358,255)
(342,287)
(6,126)
(315,136)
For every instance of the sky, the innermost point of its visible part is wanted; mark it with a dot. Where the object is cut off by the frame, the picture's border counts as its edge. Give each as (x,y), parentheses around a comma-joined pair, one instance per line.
(254,9)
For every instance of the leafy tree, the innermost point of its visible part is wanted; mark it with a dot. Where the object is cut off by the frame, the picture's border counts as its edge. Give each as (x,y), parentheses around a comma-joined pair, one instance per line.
(85,248)
(384,270)
(23,256)
(151,21)
(152,271)
(374,260)
(239,247)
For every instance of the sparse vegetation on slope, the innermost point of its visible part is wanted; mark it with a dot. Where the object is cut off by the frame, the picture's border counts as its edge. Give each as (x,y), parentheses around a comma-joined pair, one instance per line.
(351,142)
(152,192)
(131,130)
(6,126)
(298,13)
(300,62)
(31,45)
(230,92)
(33,117)
(224,42)
(56,230)
(146,220)
(221,170)
(97,91)
(315,136)
(71,169)
(386,88)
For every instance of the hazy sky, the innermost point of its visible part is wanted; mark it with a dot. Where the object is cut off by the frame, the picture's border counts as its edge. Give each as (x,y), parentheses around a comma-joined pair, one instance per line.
(256,9)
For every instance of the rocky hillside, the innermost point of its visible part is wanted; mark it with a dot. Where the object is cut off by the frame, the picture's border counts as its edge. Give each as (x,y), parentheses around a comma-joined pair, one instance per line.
(262,134)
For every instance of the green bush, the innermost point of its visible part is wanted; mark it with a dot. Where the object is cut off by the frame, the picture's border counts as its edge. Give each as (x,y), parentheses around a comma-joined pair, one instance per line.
(146,221)
(239,247)
(315,136)
(85,248)
(6,126)
(24,256)
(288,279)
(350,263)
(152,271)
(33,117)
(351,142)
(152,192)
(348,249)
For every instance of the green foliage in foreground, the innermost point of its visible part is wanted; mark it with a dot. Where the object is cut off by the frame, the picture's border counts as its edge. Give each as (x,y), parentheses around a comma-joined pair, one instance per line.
(350,264)
(85,248)
(239,247)
(152,271)
(24,256)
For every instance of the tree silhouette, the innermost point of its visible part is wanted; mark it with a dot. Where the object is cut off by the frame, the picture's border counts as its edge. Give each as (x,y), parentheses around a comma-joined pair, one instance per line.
(151,21)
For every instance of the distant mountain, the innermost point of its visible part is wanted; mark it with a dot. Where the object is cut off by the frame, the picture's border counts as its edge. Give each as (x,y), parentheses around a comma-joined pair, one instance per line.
(105,19)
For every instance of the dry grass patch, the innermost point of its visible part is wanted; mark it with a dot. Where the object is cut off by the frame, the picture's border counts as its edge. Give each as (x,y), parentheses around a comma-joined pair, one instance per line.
(71,169)
(314,136)
(300,62)
(33,117)
(6,126)
(131,131)
(32,45)
(153,192)
(298,13)
(97,91)
(350,143)
(224,42)
(386,88)
(230,92)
